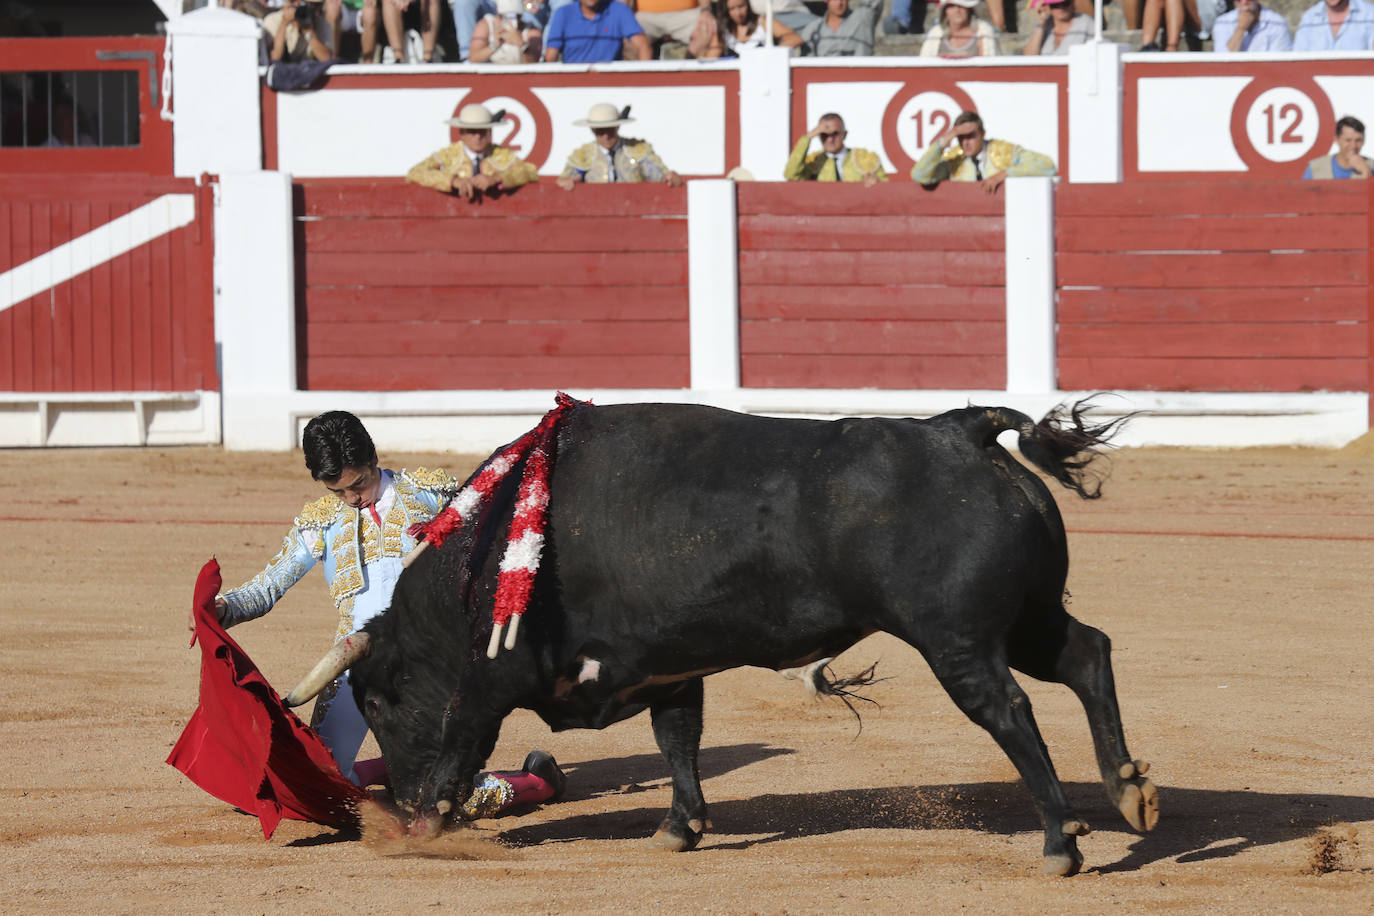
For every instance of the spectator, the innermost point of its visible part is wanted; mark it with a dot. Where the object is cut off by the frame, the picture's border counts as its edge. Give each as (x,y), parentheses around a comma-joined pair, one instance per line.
(960,33)
(1251,27)
(1336,25)
(843,31)
(593,31)
(503,38)
(667,19)
(401,42)
(1347,163)
(1058,27)
(467,13)
(728,27)
(834,161)
(901,22)
(612,158)
(292,33)
(963,153)
(792,13)
(358,16)
(1193,18)
(474,165)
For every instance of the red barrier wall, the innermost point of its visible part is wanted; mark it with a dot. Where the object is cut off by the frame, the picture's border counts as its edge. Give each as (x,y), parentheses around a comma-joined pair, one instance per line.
(893,286)
(1214,286)
(143,321)
(399,287)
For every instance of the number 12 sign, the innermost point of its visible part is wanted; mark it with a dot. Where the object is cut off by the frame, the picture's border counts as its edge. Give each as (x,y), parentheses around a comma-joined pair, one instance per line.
(1279,120)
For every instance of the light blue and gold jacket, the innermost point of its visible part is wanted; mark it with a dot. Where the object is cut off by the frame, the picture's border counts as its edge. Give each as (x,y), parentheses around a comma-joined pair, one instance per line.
(361,561)
(635,161)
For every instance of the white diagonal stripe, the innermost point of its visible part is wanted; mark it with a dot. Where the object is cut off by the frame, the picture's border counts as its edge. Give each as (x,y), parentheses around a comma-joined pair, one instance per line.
(104,243)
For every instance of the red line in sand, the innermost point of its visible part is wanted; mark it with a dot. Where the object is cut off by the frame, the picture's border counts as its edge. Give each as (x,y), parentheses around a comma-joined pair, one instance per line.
(142,521)
(1161,534)
(1229,534)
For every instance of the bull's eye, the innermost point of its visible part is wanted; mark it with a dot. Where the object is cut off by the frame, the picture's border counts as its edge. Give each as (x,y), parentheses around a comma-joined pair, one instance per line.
(372,707)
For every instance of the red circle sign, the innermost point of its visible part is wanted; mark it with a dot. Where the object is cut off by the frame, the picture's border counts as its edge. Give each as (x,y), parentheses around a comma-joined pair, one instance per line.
(918,113)
(1279,123)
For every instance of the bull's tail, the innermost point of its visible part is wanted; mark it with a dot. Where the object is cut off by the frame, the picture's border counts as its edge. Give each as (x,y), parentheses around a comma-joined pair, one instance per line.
(1063,444)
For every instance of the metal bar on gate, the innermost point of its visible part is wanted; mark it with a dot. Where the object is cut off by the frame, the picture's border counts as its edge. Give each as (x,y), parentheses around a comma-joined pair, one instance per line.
(150,58)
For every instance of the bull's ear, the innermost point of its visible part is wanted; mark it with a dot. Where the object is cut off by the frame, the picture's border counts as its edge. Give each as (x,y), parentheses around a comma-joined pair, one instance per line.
(336,661)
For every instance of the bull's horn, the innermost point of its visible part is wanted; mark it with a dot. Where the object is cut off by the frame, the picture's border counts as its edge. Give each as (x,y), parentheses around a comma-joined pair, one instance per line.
(336,661)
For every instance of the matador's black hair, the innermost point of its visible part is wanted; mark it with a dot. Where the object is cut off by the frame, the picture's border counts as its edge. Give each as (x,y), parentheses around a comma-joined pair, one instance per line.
(334,441)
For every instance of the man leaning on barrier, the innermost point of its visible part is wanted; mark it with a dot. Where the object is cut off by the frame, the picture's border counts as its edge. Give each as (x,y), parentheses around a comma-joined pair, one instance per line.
(963,153)
(611,158)
(834,161)
(474,165)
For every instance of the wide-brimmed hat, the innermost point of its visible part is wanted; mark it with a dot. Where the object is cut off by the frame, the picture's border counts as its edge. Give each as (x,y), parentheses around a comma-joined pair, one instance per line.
(476,117)
(604,114)
(966,4)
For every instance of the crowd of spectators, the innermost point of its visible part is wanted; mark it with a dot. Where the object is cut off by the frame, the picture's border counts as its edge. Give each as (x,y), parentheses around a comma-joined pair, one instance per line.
(592,31)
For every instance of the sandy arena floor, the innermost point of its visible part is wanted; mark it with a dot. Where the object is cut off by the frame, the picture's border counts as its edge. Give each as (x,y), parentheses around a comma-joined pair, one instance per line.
(1236,587)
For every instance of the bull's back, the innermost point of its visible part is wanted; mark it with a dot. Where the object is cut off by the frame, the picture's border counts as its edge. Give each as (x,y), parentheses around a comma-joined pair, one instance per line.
(755,540)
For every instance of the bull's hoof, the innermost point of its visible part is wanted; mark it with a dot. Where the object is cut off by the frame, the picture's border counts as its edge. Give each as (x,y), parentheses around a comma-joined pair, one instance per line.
(426,826)
(1062,864)
(676,840)
(1138,802)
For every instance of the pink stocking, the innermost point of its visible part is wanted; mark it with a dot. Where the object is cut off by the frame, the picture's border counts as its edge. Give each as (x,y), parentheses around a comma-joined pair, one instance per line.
(371,772)
(529,789)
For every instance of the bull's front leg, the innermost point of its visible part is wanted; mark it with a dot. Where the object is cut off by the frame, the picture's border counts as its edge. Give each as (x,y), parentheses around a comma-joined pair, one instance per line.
(468,739)
(677,729)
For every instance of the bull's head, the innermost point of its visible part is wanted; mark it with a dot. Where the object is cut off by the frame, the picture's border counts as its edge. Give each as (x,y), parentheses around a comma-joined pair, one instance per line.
(406,667)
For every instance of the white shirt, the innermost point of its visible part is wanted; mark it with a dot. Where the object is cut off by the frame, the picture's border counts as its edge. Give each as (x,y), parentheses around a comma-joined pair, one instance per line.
(1269,34)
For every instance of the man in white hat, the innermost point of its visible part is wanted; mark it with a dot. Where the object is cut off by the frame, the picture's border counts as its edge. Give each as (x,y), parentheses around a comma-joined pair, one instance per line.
(611,157)
(474,165)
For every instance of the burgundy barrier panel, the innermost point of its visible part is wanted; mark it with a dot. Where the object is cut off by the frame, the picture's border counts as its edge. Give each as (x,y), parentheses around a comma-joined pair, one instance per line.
(141,321)
(843,286)
(403,288)
(1214,286)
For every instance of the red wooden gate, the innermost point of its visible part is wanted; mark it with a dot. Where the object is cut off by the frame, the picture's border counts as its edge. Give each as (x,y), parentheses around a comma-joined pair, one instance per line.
(106,284)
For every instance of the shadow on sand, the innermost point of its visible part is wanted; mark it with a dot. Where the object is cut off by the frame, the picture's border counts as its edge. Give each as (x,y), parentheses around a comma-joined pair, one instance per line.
(1195,825)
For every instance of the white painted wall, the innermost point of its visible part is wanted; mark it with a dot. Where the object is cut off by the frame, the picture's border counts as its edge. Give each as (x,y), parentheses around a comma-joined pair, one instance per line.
(215,93)
(713,281)
(1095,102)
(255,308)
(1030,285)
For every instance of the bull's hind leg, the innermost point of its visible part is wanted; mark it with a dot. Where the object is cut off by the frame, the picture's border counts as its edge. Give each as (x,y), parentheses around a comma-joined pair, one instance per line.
(677,729)
(1060,649)
(982,686)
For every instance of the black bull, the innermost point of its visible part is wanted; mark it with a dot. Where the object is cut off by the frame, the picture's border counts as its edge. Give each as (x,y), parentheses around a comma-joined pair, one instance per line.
(685,540)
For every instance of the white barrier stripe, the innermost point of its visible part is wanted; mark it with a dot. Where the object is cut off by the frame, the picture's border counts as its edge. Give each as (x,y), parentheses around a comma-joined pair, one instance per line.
(104,243)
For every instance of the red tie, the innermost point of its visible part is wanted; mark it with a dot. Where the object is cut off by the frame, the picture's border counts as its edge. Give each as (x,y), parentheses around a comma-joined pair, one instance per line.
(375,517)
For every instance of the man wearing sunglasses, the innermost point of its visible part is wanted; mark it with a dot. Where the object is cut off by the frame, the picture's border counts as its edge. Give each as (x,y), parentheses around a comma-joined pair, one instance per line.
(834,161)
(474,165)
(963,153)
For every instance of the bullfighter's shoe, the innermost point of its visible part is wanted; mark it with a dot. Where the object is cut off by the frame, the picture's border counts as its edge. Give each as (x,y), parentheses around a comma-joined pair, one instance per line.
(541,764)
